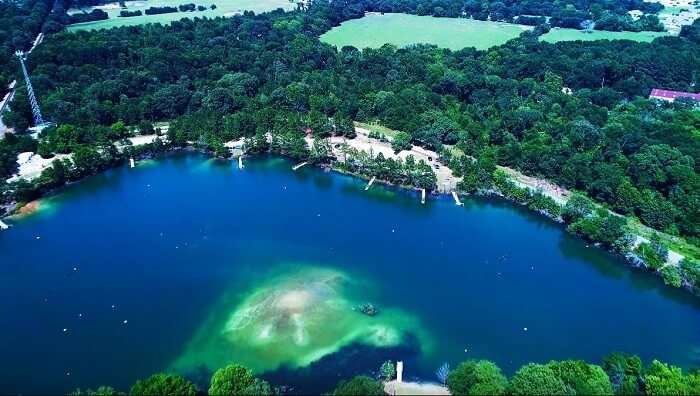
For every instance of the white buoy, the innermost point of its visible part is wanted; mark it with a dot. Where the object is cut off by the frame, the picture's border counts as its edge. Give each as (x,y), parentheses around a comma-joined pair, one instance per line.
(422,196)
(370,183)
(456,197)
(131,162)
(295,167)
(240,162)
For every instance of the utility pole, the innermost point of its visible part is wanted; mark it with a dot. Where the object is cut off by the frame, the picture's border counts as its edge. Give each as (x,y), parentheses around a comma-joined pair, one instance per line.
(36,111)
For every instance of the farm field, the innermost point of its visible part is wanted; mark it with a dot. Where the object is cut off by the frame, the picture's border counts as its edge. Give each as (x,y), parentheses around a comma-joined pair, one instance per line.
(375,30)
(225,8)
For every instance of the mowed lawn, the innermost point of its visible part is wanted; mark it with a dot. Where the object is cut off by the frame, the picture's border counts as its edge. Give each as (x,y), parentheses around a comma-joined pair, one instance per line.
(375,30)
(224,8)
(559,34)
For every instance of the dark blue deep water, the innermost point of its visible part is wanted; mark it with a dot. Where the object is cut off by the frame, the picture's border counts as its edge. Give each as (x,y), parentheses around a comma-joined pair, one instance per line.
(158,245)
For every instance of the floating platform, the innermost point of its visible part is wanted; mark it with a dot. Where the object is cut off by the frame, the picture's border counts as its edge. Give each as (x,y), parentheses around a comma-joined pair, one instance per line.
(370,183)
(3,226)
(297,166)
(422,195)
(456,197)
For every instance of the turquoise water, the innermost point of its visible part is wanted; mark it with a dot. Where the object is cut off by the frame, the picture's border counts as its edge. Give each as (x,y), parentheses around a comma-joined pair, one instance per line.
(179,248)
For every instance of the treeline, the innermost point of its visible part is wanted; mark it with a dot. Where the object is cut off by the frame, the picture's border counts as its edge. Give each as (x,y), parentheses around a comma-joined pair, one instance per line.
(127,14)
(619,374)
(160,10)
(189,7)
(508,105)
(94,15)
(285,133)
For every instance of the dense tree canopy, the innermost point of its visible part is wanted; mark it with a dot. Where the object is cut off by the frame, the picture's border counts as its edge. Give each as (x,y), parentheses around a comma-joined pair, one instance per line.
(360,385)
(477,378)
(163,385)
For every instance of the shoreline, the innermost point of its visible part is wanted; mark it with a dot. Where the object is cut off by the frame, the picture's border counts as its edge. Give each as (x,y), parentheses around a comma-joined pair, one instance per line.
(630,257)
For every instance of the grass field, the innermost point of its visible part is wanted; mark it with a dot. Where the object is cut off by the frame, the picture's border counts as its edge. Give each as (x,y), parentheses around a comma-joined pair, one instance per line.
(559,34)
(223,8)
(375,30)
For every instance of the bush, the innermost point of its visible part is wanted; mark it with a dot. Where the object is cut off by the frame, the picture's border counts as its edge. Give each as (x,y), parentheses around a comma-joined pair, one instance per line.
(477,378)
(537,379)
(231,380)
(164,385)
(582,378)
(672,276)
(360,385)
(402,141)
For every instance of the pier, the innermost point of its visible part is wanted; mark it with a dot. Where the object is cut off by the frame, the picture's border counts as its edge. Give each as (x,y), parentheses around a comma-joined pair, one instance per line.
(370,183)
(131,162)
(456,197)
(422,195)
(295,167)
(3,226)
(240,161)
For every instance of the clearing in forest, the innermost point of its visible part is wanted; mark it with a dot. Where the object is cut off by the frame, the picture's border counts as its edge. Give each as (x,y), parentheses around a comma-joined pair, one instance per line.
(225,8)
(562,34)
(375,30)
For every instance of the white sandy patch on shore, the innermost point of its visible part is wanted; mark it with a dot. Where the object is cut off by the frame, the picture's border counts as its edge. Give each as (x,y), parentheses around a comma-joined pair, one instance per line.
(143,139)
(31,165)
(414,388)
(362,142)
(559,194)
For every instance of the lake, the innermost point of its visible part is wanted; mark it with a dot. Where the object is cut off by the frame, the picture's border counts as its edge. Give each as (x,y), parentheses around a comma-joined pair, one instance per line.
(186,263)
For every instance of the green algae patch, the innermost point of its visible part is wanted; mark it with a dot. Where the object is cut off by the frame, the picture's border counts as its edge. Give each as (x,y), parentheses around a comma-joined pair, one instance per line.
(292,320)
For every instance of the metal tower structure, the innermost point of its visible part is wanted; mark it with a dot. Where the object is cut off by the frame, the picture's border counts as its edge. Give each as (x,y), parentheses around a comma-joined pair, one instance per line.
(36,111)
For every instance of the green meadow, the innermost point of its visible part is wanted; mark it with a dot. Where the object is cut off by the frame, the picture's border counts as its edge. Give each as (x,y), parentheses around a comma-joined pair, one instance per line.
(225,8)
(375,30)
(559,34)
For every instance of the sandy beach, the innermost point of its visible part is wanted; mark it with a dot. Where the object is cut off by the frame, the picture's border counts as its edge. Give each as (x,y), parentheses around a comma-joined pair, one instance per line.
(362,142)
(414,388)
(31,165)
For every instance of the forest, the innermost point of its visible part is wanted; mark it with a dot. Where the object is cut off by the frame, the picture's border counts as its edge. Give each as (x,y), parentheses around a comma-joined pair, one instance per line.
(619,374)
(22,20)
(224,79)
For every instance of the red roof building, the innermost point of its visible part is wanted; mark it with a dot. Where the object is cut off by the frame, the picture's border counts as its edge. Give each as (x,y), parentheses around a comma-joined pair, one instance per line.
(670,96)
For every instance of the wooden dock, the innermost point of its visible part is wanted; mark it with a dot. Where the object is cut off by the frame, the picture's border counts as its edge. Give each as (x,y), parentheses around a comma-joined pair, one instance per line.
(295,167)
(456,197)
(131,163)
(240,161)
(370,183)
(422,196)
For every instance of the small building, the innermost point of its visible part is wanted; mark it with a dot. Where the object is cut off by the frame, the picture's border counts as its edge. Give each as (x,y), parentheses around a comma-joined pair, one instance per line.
(670,96)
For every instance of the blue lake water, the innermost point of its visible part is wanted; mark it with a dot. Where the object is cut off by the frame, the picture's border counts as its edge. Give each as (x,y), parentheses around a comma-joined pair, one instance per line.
(174,246)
